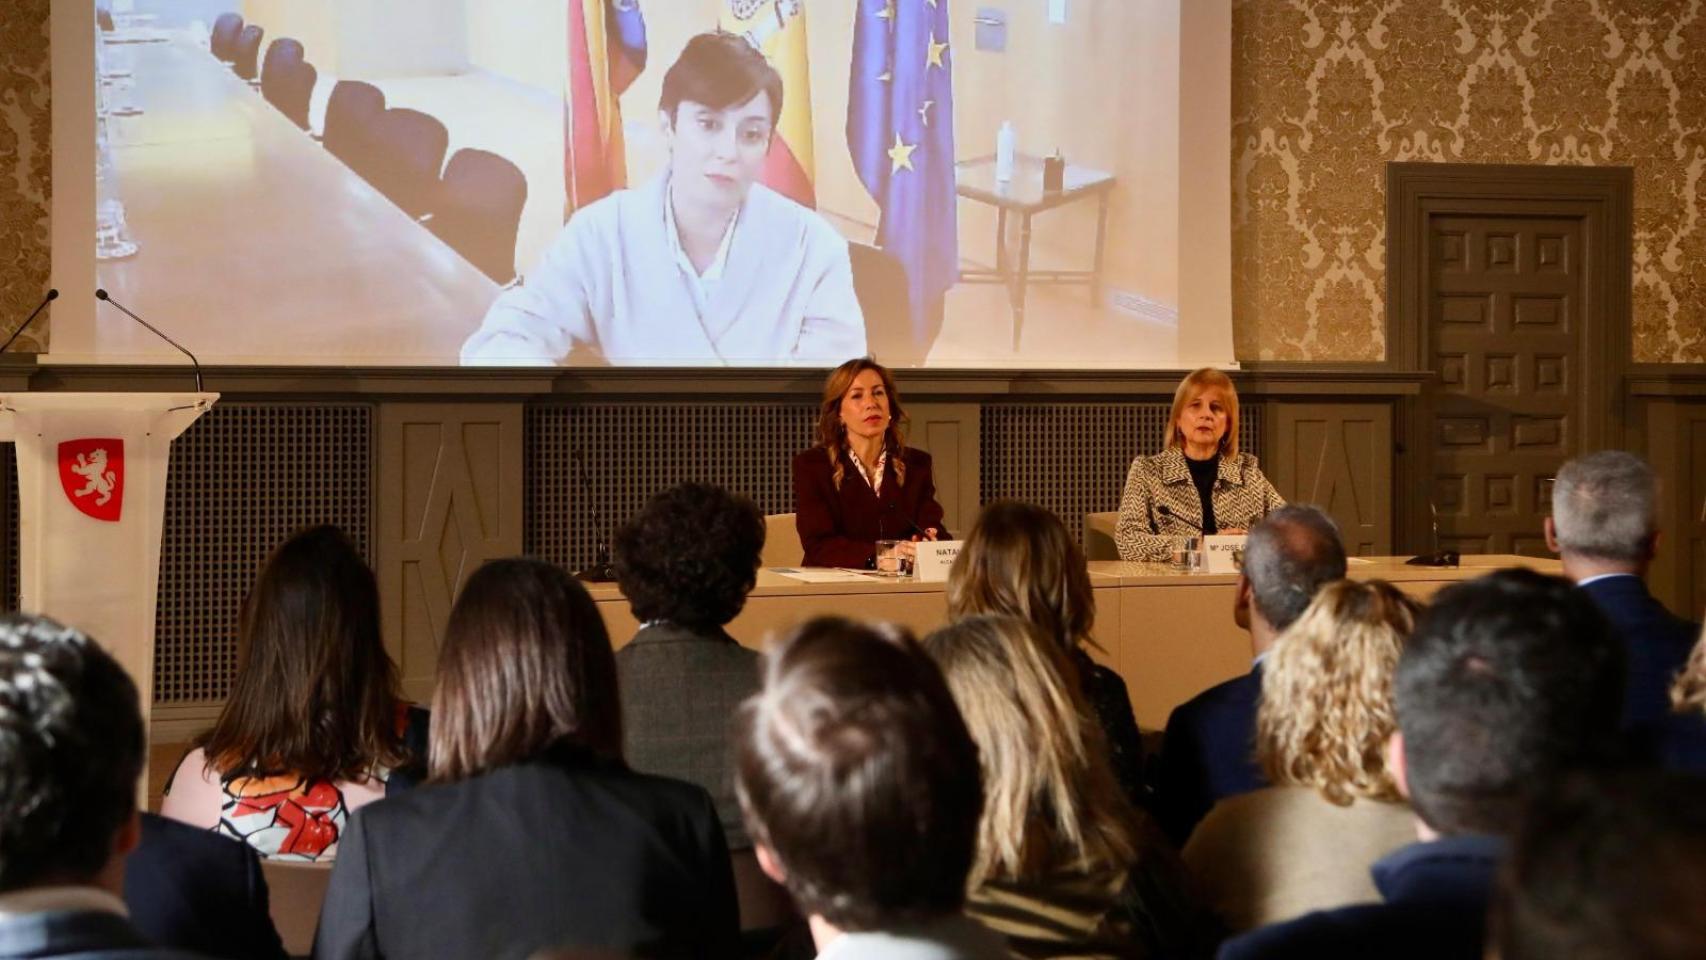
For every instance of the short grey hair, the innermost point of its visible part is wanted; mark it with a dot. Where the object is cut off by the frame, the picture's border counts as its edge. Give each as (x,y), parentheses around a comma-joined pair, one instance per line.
(1290,555)
(1603,505)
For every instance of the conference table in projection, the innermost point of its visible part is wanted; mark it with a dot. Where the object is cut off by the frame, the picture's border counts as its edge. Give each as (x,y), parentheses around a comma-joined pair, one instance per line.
(243,221)
(1169,634)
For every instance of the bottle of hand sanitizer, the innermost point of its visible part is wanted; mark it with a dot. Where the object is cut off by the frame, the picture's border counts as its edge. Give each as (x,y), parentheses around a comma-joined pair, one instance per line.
(1004,149)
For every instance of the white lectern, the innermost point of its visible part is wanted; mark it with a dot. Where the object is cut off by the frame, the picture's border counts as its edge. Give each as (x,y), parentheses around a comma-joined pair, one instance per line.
(91,503)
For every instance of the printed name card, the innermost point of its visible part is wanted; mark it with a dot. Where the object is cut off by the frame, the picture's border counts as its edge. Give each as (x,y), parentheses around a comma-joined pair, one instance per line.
(1224,553)
(933,559)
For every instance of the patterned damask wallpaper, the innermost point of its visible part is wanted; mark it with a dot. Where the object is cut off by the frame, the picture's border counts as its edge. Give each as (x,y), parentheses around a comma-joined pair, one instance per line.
(25,166)
(1325,92)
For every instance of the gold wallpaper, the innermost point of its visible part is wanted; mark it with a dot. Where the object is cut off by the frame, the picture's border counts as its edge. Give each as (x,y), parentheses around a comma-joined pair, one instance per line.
(25,167)
(1326,92)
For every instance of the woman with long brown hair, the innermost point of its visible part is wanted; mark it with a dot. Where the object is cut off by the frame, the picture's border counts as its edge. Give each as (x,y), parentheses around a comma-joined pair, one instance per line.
(860,482)
(1065,866)
(532,832)
(314,726)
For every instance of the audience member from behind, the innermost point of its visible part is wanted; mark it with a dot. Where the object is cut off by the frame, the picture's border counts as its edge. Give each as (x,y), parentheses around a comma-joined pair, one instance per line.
(1510,682)
(71,752)
(1604,527)
(1326,714)
(861,790)
(314,727)
(686,564)
(1606,869)
(1020,561)
(199,891)
(1208,752)
(532,832)
(1065,867)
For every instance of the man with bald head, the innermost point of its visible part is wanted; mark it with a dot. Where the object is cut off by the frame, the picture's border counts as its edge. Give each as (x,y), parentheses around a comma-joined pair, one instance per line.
(1208,752)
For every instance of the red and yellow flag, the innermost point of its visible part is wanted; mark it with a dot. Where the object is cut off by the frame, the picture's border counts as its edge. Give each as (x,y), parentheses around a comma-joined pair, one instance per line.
(607,50)
(778,29)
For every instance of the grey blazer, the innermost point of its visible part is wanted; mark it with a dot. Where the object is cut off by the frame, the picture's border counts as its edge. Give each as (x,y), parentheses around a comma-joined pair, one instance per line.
(680,690)
(1160,505)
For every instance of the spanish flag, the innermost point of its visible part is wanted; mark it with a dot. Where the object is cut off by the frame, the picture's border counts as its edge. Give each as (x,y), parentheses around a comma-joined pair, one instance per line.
(607,50)
(778,29)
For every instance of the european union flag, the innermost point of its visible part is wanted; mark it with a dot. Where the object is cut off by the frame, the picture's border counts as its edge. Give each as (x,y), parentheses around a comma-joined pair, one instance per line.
(900,130)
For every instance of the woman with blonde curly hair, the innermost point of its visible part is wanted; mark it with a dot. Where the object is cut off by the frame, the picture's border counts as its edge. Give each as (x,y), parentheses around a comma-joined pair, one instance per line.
(1681,736)
(1326,715)
(1065,866)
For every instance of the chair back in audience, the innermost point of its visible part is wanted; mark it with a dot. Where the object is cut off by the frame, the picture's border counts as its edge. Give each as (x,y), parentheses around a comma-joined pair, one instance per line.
(764,903)
(246,52)
(479,210)
(295,892)
(879,283)
(1099,536)
(408,153)
(287,81)
(782,546)
(222,41)
(351,113)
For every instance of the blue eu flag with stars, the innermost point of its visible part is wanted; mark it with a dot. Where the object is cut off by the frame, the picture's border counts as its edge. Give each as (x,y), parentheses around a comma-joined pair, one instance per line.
(900,130)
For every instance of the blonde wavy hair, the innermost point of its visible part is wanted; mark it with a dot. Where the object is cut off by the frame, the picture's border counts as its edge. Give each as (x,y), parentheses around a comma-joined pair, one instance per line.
(1050,797)
(1326,712)
(831,433)
(1688,692)
(1194,383)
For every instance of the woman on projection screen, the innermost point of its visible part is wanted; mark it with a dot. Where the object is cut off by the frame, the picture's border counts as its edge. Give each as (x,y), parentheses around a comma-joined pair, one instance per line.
(702,264)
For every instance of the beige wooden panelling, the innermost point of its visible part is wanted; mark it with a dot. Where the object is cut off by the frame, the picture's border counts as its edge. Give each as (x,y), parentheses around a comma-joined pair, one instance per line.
(1339,457)
(949,432)
(449,482)
(1676,447)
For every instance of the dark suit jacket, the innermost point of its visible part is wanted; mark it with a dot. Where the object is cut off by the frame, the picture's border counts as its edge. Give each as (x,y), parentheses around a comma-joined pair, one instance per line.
(79,935)
(196,890)
(1435,908)
(1107,694)
(840,528)
(680,690)
(1208,753)
(559,851)
(1656,644)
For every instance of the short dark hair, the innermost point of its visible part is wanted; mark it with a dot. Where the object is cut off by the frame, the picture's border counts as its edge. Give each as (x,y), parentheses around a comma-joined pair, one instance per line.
(1509,681)
(1289,556)
(1606,869)
(525,667)
(71,752)
(690,556)
(855,769)
(720,70)
(315,694)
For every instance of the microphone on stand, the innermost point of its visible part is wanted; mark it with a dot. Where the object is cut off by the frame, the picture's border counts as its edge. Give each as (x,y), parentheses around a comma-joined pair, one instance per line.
(602,570)
(101,294)
(52,295)
(1167,512)
(1439,558)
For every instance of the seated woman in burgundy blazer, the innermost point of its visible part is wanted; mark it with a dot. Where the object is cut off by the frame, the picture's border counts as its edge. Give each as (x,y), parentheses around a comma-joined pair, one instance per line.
(861,483)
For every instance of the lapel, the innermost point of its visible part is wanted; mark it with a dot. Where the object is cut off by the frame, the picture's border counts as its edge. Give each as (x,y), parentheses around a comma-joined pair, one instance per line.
(668,310)
(1182,500)
(741,272)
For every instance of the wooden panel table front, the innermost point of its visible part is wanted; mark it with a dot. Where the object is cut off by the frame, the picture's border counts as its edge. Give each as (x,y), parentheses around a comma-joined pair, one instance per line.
(1170,635)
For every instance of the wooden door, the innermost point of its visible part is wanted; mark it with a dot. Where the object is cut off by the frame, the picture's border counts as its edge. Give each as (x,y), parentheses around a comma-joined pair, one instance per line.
(1505,314)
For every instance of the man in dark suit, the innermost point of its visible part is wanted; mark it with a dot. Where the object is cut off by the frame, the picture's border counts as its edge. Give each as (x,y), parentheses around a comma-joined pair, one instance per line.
(71,753)
(1604,528)
(196,890)
(1508,683)
(686,564)
(1208,751)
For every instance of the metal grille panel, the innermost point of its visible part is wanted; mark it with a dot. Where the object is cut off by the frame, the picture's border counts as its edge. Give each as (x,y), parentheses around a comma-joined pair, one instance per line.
(1072,457)
(243,478)
(634,450)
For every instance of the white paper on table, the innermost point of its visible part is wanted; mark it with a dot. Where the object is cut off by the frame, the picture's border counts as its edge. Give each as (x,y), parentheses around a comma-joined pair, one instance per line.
(825,575)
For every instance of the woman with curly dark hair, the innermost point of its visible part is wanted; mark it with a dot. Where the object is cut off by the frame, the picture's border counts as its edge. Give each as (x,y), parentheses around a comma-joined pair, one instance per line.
(686,564)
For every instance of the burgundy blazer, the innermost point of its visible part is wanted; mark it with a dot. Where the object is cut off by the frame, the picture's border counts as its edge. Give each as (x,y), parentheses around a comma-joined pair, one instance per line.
(840,528)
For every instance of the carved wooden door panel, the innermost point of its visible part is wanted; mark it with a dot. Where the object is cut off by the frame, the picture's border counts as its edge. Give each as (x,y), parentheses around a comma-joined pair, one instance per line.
(1505,302)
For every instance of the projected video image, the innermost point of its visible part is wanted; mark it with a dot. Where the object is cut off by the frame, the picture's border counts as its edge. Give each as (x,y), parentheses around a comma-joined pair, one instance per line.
(640,182)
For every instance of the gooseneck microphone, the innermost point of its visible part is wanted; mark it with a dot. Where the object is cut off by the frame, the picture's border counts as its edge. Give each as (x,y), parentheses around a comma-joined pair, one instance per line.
(602,570)
(1167,512)
(101,294)
(52,295)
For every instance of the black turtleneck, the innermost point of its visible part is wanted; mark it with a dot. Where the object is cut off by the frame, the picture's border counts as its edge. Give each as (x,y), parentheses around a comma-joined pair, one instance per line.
(1203,474)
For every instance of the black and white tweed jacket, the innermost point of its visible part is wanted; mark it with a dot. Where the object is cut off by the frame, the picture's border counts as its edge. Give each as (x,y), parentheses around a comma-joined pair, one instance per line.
(1145,531)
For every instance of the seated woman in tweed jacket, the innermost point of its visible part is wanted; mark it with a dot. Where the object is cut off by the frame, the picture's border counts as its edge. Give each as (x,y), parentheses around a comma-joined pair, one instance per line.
(1200,483)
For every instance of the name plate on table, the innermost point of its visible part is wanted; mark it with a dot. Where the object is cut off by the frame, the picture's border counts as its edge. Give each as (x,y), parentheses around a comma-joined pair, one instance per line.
(933,559)
(1223,553)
